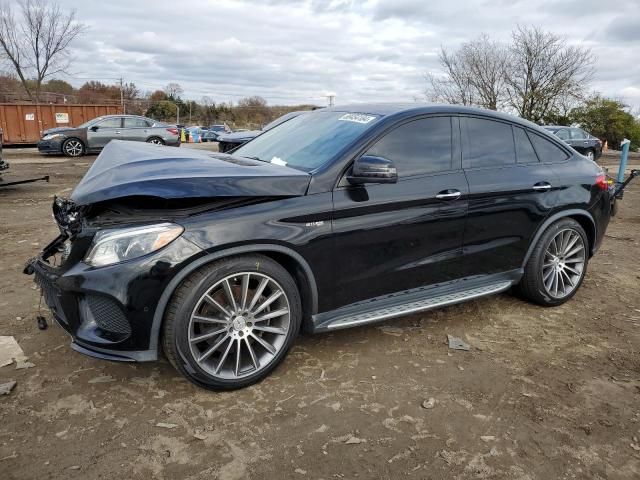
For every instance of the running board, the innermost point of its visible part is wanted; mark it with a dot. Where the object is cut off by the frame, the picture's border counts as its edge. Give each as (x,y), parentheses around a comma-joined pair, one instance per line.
(387,311)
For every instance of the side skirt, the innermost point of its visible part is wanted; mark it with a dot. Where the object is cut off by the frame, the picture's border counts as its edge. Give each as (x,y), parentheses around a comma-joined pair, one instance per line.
(414,300)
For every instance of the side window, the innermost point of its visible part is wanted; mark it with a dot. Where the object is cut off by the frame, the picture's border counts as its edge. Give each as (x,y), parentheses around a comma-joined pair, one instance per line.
(488,143)
(577,134)
(110,123)
(524,150)
(418,147)
(547,151)
(562,134)
(131,122)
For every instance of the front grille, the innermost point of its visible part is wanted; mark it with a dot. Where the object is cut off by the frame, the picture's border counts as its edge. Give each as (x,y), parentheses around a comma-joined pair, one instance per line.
(108,314)
(51,295)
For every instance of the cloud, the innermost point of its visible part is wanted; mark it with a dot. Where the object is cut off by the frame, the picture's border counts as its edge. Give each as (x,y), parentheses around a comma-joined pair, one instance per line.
(294,51)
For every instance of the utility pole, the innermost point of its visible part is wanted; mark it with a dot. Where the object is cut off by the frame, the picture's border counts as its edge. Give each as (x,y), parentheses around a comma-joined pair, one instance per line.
(124,109)
(331,96)
(190,103)
(177,113)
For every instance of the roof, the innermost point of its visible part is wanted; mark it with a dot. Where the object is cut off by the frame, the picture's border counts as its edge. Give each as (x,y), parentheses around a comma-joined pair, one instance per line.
(389,109)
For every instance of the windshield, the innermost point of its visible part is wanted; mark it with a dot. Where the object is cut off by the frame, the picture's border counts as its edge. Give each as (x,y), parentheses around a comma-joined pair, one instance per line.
(279,120)
(308,141)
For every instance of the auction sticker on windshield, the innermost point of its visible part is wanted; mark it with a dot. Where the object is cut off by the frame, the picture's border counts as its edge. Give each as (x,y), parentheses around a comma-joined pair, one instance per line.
(357,117)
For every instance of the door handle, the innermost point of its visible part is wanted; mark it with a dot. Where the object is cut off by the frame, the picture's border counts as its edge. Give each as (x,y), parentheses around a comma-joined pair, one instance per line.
(117,132)
(542,187)
(448,195)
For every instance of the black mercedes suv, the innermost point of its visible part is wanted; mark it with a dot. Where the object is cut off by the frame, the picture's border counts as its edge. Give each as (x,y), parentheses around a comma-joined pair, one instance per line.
(336,218)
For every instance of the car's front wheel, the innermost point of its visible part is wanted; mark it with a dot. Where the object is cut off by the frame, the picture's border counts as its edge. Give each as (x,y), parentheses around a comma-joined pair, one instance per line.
(232,322)
(557,265)
(72,147)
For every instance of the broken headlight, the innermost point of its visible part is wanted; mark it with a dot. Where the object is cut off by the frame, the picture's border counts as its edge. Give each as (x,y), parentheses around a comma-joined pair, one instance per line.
(118,245)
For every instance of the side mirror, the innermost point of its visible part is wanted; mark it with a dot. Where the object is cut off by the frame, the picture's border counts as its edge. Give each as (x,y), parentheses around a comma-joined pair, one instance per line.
(370,169)
(94,128)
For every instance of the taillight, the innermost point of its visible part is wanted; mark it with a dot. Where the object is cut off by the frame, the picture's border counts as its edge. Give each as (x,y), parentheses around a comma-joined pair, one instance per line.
(173,131)
(601,182)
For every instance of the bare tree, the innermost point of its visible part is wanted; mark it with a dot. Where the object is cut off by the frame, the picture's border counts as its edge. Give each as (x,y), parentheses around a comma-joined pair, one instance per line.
(35,42)
(485,61)
(543,73)
(174,90)
(454,86)
(473,75)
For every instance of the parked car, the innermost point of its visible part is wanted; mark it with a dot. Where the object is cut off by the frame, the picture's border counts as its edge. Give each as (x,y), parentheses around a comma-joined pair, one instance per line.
(92,136)
(344,217)
(583,142)
(240,137)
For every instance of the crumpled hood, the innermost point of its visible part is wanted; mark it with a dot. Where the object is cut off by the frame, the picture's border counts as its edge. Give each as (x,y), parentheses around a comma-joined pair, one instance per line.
(126,169)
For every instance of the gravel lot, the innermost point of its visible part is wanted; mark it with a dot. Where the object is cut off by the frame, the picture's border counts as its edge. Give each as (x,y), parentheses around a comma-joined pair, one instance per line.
(543,393)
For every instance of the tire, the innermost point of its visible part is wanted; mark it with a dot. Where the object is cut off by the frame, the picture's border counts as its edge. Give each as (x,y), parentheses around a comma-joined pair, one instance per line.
(155,140)
(590,154)
(73,147)
(194,325)
(557,257)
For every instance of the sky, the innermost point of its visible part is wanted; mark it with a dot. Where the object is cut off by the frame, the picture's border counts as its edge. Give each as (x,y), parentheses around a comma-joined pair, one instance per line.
(293,52)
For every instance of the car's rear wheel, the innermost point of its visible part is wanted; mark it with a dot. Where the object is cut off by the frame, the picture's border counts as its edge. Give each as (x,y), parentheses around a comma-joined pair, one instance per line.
(72,147)
(590,154)
(156,141)
(232,322)
(557,265)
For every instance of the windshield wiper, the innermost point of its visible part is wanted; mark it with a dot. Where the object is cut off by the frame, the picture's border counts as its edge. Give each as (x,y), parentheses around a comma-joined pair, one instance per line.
(256,158)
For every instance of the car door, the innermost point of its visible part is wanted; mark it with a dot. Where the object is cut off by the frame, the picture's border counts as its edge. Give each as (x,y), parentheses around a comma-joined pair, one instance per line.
(510,193)
(135,129)
(394,237)
(101,133)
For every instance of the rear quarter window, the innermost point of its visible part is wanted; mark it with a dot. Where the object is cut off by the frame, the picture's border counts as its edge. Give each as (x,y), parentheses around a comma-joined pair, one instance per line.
(524,150)
(548,152)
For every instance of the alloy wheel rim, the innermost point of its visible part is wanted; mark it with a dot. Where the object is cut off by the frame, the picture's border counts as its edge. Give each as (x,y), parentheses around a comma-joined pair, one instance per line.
(155,141)
(563,264)
(239,325)
(73,148)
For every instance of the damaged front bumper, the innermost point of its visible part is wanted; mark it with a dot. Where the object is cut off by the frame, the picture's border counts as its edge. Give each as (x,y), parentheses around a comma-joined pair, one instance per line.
(108,311)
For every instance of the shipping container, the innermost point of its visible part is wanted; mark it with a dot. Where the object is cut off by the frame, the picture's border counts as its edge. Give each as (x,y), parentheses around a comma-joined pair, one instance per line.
(23,123)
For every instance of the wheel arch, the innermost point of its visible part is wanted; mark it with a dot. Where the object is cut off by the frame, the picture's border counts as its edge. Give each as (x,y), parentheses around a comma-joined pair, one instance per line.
(291,260)
(583,217)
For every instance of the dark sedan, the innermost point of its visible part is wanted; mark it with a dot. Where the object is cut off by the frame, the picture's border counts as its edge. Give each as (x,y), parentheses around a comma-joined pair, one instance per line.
(581,141)
(233,140)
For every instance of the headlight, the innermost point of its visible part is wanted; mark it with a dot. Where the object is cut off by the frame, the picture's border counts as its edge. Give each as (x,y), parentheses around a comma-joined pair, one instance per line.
(51,136)
(118,245)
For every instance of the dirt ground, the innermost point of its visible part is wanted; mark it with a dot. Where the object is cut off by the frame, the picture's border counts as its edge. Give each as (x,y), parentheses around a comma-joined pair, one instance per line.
(543,393)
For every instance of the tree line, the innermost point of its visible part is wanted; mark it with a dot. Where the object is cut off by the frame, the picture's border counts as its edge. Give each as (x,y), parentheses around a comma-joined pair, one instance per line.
(537,76)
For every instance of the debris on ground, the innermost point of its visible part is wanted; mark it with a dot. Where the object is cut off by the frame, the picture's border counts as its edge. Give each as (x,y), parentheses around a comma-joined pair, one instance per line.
(102,379)
(10,351)
(354,440)
(456,343)
(22,364)
(166,425)
(429,404)
(5,388)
